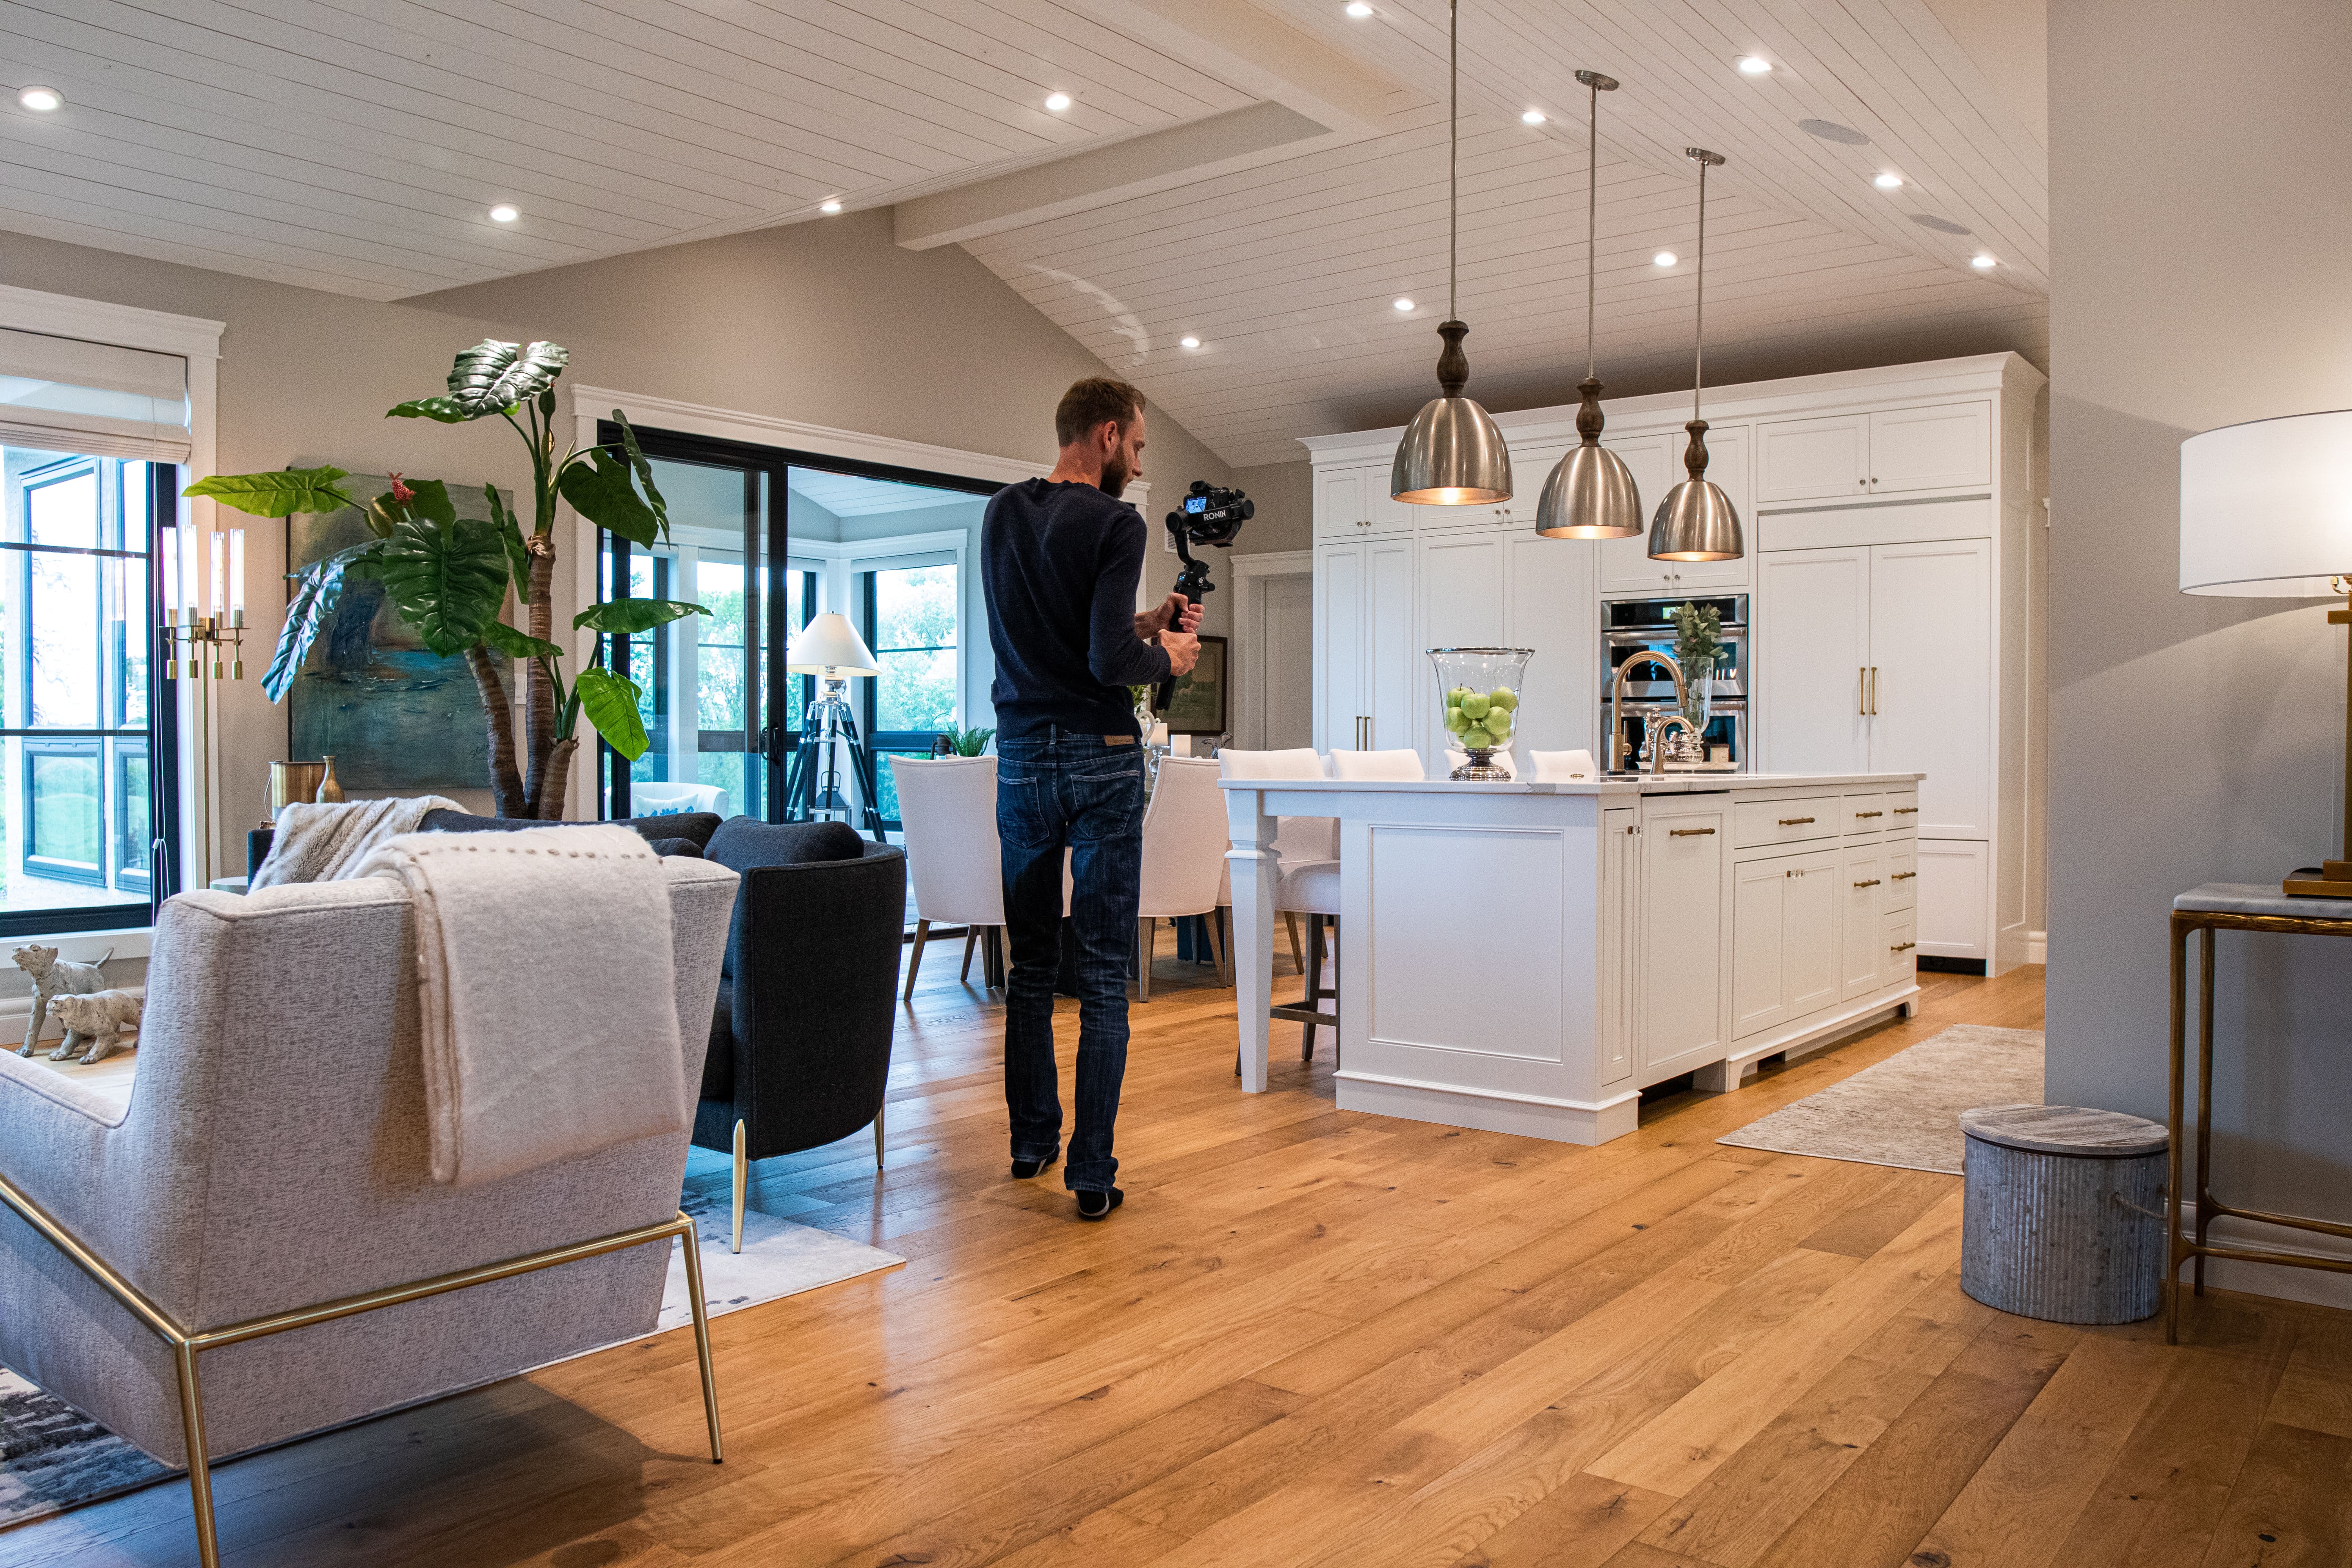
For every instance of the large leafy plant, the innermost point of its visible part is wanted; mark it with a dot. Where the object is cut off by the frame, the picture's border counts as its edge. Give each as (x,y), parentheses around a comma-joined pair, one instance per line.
(449,576)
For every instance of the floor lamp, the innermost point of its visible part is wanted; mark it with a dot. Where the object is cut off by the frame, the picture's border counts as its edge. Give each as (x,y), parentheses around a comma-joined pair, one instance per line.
(830,648)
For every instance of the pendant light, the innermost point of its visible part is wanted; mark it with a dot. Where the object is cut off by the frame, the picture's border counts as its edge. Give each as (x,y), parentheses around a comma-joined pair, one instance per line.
(1697,522)
(1591,493)
(1452,455)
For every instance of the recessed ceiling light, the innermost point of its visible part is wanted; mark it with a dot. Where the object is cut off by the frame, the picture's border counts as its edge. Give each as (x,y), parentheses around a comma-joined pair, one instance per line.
(1190,342)
(1358,9)
(1532,117)
(829,208)
(1754,65)
(41,100)
(1982,263)
(1888,182)
(1664,259)
(1402,303)
(1058,102)
(502,213)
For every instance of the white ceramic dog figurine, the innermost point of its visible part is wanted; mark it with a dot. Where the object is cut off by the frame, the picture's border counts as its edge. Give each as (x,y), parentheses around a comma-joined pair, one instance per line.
(95,1019)
(54,977)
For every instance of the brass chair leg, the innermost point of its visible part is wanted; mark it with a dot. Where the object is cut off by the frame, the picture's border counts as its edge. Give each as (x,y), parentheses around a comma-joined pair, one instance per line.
(692,1242)
(877,1136)
(742,1171)
(1143,935)
(200,1474)
(970,938)
(915,959)
(1314,998)
(1297,959)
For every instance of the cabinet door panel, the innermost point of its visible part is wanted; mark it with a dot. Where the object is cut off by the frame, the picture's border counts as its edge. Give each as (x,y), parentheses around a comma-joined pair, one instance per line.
(1759,992)
(1813,459)
(1340,642)
(1931,644)
(1551,608)
(1813,964)
(1901,946)
(1393,661)
(1462,605)
(1682,958)
(1863,889)
(1812,616)
(1954,907)
(1625,563)
(1388,516)
(1621,892)
(1339,512)
(1944,448)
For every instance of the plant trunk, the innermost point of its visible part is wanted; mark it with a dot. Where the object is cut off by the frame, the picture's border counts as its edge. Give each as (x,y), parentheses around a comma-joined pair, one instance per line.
(558,781)
(538,704)
(506,785)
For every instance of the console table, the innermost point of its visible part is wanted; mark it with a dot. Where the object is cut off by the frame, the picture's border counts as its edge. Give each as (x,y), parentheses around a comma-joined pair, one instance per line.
(2228,905)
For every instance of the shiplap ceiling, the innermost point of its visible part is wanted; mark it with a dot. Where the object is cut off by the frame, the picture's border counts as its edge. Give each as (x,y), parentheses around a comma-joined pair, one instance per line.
(357,146)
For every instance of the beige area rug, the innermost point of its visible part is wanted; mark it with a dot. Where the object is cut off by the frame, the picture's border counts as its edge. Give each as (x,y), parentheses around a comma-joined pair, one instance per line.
(1906,1110)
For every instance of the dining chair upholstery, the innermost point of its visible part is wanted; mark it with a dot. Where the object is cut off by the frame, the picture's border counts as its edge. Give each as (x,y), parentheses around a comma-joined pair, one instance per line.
(948,806)
(1395,766)
(1185,848)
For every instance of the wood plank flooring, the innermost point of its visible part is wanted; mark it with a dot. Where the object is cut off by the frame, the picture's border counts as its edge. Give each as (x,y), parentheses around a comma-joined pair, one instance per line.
(1313,1338)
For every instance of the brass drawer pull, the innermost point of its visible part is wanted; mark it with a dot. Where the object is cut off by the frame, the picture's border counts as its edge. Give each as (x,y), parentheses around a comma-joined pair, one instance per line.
(1906,811)
(1903,947)
(1872,883)
(1870,814)
(1795,821)
(1794,871)
(1688,832)
(1903,876)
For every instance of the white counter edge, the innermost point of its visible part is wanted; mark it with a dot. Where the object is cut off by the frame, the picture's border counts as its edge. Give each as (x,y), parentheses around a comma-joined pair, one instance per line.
(1668,783)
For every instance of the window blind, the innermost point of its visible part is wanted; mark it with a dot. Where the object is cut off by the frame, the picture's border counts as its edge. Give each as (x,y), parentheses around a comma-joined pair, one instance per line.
(65,394)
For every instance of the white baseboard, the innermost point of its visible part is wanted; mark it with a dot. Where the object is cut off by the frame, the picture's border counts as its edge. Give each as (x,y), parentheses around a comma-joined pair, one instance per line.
(2037,947)
(2317,1286)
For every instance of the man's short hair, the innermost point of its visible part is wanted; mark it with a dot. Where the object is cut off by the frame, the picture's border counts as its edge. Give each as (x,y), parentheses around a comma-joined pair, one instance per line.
(1089,403)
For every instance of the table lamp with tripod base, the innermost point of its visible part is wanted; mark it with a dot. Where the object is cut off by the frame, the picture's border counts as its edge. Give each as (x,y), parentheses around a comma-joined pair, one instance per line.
(830,648)
(2266,514)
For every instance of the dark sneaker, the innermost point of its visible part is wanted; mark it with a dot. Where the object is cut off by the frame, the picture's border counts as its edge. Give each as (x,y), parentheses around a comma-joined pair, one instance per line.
(1025,1169)
(1097,1205)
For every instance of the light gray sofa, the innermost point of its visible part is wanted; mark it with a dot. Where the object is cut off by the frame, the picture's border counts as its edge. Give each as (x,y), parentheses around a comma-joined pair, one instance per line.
(274,1156)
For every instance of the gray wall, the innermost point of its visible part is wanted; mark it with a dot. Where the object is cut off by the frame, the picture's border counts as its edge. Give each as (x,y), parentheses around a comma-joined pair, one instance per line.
(826,322)
(2201,202)
(1284,493)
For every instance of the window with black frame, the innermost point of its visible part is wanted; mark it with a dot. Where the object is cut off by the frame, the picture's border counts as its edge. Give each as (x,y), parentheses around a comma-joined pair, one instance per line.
(911,613)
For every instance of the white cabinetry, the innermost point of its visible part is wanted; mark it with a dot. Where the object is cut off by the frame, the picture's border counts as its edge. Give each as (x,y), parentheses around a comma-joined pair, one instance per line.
(1354,503)
(1365,675)
(1784,940)
(1874,452)
(1656,461)
(1681,957)
(1550,606)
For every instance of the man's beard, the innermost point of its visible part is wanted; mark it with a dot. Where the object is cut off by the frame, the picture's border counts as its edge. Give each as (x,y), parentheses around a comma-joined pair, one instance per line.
(1115,476)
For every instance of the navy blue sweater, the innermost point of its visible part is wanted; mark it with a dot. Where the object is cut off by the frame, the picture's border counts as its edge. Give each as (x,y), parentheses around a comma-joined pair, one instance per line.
(1060,563)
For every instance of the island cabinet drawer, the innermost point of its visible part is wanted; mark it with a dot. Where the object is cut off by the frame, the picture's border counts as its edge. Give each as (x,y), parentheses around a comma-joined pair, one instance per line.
(1756,821)
(1902,945)
(1902,877)
(1863,813)
(1902,808)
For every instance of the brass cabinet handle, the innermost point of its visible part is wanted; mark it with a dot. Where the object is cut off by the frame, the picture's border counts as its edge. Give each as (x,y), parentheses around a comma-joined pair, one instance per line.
(1794,871)
(1863,814)
(1688,832)
(1906,811)
(1862,691)
(1794,821)
(1903,947)
(1872,883)
(1903,876)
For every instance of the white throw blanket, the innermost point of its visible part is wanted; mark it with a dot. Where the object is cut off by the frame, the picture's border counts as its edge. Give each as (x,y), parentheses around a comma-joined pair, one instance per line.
(327,842)
(549,994)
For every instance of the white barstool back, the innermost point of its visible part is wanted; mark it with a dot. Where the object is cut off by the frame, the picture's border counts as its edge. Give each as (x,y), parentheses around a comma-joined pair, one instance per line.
(948,806)
(1395,766)
(1563,767)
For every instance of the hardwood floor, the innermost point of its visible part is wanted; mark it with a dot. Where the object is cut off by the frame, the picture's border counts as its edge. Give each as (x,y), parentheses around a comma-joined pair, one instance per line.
(1317,1338)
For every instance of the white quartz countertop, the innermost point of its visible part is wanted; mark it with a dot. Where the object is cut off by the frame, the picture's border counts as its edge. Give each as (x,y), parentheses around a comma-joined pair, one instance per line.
(1647,784)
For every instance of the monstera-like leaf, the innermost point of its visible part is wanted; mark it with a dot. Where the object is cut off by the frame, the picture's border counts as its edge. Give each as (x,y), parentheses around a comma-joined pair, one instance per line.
(491,378)
(278,493)
(610,702)
(317,589)
(602,487)
(627,617)
(518,645)
(510,535)
(447,580)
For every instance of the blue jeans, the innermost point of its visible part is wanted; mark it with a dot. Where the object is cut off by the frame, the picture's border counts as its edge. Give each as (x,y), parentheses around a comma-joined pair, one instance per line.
(1055,791)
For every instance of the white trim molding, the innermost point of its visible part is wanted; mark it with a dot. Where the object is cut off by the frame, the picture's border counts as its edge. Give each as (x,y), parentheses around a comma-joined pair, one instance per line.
(2037,947)
(102,322)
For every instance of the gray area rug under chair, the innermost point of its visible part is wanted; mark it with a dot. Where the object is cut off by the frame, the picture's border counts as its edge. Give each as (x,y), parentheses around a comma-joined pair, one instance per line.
(1906,1110)
(53,1458)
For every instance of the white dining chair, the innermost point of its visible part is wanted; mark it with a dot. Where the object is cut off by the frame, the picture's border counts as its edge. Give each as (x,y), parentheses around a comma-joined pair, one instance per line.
(1307,882)
(1297,840)
(1563,767)
(1398,766)
(948,806)
(1183,858)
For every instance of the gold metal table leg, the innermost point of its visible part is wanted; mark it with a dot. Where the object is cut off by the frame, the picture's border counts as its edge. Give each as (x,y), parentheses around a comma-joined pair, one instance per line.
(2204,1100)
(693,1245)
(200,1473)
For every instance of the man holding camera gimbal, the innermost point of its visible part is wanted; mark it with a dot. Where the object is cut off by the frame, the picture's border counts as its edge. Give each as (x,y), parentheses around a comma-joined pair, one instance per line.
(1060,559)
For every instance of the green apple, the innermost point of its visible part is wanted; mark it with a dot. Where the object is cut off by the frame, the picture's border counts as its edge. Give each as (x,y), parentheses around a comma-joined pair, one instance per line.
(1498,725)
(1476,705)
(1455,722)
(1503,696)
(1477,739)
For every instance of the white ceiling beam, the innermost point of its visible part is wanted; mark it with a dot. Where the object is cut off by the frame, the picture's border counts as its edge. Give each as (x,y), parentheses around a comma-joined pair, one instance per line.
(1259,53)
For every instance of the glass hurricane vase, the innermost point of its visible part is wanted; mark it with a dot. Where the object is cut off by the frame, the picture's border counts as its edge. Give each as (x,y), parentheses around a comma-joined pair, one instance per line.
(1478,697)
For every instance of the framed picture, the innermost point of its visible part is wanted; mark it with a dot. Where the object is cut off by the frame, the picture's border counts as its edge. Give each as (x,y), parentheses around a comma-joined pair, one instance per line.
(1197,706)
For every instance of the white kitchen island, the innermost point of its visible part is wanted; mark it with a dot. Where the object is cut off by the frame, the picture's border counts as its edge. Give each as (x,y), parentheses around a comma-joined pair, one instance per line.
(1527,957)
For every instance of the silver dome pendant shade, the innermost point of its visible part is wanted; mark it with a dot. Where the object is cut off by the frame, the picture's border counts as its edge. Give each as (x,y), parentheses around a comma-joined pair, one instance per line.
(1452,454)
(1697,522)
(1591,493)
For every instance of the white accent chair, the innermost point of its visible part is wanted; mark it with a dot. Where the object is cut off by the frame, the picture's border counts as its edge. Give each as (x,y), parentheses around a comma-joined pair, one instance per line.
(948,806)
(1307,882)
(664,799)
(1184,845)
(1563,767)
(258,1248)
(1400,766)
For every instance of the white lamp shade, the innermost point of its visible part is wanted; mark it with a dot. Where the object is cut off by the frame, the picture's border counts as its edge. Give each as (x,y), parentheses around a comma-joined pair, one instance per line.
(829,644)
(2266,508)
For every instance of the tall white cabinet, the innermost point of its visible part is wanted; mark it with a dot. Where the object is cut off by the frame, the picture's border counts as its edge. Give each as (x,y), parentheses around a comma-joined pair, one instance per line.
(1887,563)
